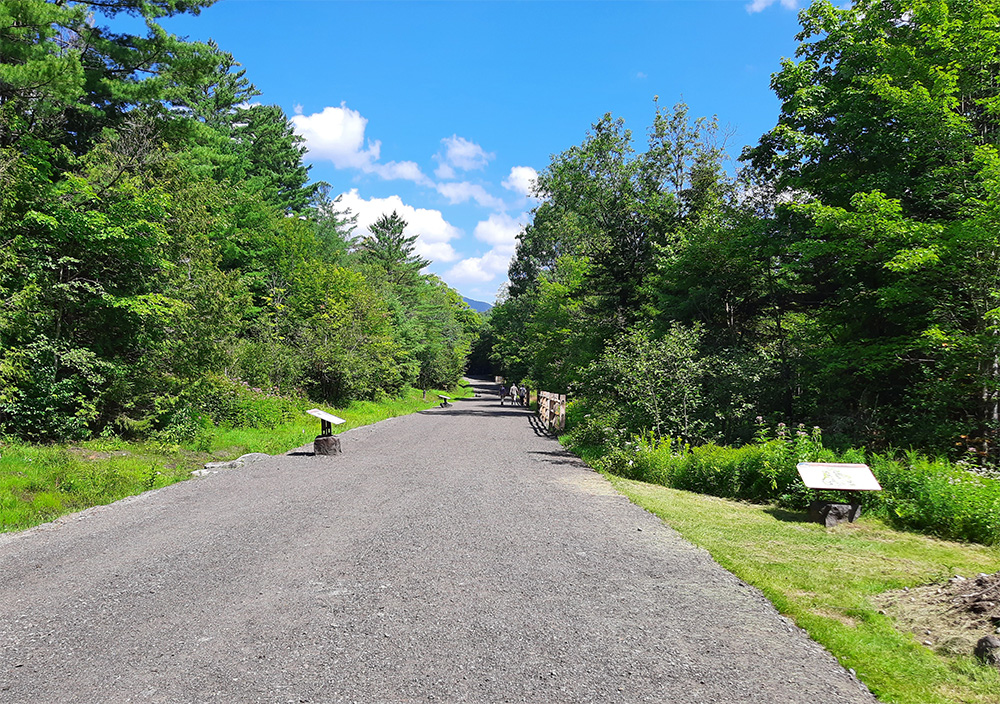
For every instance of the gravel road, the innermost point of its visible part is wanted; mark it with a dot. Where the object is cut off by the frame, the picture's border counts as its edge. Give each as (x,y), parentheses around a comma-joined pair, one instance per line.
(454,555)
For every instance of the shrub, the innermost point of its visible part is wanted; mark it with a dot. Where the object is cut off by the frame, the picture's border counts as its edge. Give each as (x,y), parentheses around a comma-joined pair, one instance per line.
(931,495)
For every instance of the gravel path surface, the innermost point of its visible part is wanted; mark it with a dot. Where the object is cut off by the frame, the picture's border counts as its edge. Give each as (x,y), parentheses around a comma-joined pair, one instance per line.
(455,555)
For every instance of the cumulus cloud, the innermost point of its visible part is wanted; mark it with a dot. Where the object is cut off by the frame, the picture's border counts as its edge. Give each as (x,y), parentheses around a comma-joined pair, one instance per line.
(460,192)
(499,230)
(458,153)
(521,180)
(761,5)
(432,230)
(338,135)
(479,269)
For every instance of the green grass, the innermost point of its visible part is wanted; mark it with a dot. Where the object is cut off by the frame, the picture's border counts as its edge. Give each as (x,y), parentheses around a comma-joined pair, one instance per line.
(826,581)
(39,483)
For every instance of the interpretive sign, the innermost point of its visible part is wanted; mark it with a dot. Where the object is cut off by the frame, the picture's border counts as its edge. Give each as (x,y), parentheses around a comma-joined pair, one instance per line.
(843,477)
(328,417)
(325,443)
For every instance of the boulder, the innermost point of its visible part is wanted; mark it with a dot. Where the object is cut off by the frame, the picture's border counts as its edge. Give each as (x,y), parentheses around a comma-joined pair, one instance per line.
(326,445)
(830,514)
(988,650)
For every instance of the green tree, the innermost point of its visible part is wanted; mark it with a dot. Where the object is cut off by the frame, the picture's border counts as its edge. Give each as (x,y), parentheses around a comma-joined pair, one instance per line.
(883,156)
(388,251)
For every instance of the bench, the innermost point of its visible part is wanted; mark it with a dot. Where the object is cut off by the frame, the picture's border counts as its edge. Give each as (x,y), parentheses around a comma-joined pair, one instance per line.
(444,403)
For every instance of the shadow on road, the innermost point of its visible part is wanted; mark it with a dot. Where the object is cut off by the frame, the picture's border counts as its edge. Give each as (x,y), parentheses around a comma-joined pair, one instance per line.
(498,411)
(557,457)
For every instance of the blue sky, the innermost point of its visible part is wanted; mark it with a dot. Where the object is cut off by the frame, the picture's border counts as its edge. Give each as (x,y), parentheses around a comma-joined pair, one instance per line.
(444,110)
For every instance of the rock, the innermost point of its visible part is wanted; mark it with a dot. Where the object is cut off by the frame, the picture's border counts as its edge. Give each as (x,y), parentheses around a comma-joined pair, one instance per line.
(988,650)
(231,464)
(213,467)
(830,514)
(326,445)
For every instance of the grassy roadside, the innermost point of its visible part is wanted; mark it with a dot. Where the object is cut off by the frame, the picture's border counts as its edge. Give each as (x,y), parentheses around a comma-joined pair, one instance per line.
(826,580)
(39,483)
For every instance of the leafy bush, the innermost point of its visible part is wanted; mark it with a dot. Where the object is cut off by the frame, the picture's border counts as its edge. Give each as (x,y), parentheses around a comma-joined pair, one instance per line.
(931,495)
(235,404)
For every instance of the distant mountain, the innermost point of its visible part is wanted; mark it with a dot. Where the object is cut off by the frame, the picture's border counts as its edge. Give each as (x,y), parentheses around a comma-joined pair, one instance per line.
(477,306)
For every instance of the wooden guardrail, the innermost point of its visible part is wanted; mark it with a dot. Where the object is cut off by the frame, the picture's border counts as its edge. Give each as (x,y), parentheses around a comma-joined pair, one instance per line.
(552,410)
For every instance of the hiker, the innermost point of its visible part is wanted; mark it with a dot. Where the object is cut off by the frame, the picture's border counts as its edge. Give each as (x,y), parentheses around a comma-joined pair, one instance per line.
(524,395)
(513,393)
(503,392)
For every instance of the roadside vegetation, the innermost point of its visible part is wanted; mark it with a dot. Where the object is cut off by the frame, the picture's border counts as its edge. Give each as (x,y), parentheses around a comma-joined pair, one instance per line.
(39,483)
(841,272)
(952,500)
(163,254)
(829,582)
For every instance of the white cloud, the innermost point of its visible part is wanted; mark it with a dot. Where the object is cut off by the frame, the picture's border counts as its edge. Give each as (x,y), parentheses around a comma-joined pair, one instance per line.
(432,230)
(405,170)
(444,171)
(521,180)
(761,5)
(479,269)
(459,153)
(500,230)
(464,191)
(338,135)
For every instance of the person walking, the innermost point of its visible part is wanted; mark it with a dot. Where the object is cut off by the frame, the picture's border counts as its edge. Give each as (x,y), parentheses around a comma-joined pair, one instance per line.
(513,394)
(503,392)
(524,395)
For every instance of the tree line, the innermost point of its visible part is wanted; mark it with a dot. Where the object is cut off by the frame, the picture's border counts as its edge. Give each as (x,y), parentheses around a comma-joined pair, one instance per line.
(845,274)
(161,245)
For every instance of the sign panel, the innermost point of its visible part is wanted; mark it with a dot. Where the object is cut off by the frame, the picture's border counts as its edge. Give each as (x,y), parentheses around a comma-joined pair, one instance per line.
(829,475)
(328,417)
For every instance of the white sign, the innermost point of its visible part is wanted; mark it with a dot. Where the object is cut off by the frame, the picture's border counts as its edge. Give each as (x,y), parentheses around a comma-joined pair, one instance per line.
(829,475)
(323,415)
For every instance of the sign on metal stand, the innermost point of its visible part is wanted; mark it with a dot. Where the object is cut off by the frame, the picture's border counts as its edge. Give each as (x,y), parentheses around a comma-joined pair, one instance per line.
(325,443)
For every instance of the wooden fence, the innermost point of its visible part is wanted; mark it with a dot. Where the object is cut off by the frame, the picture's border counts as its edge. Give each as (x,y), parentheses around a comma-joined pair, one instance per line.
(552,410)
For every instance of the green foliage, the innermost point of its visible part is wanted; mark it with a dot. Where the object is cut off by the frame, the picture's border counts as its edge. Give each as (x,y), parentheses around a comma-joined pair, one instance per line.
(929,495)
(162,252)
(652,383)
(847,275)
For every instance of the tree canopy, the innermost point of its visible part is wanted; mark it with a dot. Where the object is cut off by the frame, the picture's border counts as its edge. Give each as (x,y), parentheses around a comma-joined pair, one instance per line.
(845,276)
(160,242)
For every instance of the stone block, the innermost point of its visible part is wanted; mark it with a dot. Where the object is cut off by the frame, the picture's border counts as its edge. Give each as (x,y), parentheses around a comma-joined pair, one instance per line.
(830,514)
(988,650)
(326,445)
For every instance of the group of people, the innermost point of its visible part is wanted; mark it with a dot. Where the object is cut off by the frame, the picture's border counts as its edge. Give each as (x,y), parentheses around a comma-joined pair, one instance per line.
(518,394)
